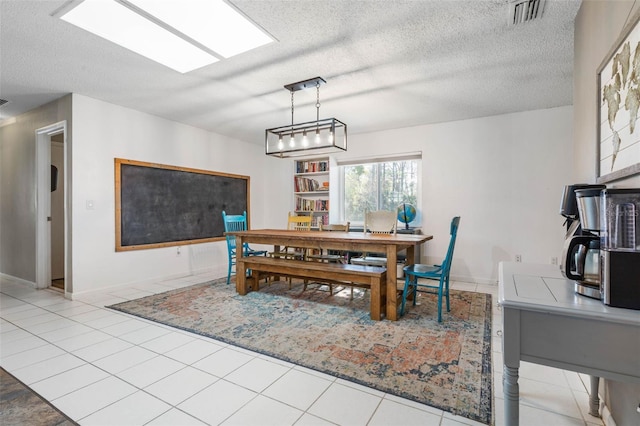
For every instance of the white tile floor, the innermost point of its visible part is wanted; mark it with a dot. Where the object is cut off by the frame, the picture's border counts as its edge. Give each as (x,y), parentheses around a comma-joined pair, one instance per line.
(102,367)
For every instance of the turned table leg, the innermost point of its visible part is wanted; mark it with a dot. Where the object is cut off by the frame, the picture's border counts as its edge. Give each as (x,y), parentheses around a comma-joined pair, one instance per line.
(511,396)
(594,400)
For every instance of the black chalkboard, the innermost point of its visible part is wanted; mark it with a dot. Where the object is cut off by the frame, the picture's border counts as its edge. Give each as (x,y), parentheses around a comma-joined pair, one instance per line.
(159,205)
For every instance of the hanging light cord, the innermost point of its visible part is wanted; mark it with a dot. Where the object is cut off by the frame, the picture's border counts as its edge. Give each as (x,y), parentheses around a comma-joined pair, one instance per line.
(292,92)
(318,101)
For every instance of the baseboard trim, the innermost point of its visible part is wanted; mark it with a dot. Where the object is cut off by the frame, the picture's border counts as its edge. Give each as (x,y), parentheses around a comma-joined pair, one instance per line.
(217,272)
(31,284)
(467,279)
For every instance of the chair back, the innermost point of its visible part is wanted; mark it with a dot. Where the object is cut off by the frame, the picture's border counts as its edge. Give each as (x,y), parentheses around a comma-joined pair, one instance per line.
(446,263)
(299,223)
(335,227)
(380,222)
(232,223)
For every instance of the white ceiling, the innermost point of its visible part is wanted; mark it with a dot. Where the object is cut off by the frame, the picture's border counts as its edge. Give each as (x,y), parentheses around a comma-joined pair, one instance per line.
(388,64)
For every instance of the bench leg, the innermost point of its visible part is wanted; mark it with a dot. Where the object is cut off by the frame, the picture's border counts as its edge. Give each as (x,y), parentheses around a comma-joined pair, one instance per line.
(253,280)
(252,283)
(256,280)
(241,278)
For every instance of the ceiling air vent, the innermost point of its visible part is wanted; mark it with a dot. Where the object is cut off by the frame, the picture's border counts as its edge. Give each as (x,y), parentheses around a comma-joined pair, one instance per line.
(521,11)
(3,101)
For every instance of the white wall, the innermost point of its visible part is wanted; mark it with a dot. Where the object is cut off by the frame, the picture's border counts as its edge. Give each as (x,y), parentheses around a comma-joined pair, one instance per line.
(503,175)
(18,187)
(597,27)
(102,132)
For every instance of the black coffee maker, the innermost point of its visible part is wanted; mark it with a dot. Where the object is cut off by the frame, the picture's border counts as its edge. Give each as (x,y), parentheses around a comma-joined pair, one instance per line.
(580,260)
(620,254)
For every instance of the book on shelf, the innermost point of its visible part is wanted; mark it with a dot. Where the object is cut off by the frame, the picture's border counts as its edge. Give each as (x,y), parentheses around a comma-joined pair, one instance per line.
(312,166)
(308,205)
(303,184)
(317,220)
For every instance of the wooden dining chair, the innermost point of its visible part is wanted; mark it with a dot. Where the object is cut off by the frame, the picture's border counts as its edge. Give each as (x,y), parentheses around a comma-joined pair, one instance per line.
(333,255)
(294,223)
(236,223)
(298,222)
(438,273)
(377,222)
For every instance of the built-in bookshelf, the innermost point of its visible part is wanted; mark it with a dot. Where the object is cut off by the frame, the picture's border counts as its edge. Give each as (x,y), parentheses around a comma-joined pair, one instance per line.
(311,189)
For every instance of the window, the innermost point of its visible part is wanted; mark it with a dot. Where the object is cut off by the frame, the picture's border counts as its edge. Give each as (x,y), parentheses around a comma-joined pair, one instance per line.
(378,185)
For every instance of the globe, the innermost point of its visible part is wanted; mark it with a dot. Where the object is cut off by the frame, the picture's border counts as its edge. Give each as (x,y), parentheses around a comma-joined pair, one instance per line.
(406,213)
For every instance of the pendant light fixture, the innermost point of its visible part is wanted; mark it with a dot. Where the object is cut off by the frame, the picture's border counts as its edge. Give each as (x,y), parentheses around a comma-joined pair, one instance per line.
(323,136)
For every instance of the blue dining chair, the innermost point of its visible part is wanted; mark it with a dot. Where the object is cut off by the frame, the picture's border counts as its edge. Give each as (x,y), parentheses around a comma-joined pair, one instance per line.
(237,223)
(439,273)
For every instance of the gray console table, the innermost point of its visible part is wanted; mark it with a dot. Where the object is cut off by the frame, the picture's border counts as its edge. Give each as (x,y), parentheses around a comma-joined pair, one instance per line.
(545,322)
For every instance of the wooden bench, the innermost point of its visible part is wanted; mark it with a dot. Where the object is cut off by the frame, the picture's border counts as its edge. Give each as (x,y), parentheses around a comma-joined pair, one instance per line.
(372,277)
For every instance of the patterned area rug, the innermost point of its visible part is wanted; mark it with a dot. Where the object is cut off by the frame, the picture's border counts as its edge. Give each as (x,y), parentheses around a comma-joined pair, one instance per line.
(447,365)
(19,405)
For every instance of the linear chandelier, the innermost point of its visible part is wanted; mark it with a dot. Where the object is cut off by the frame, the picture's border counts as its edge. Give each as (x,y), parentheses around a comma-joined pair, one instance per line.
(323,136)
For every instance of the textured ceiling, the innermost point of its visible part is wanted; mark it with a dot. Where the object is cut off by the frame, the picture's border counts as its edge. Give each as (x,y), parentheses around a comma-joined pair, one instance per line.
(388,64)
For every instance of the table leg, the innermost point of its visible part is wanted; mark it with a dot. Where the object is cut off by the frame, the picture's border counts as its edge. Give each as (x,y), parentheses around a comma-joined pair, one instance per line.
(392,283)
(594,400)
(511,396)
(276,249)
(411,256)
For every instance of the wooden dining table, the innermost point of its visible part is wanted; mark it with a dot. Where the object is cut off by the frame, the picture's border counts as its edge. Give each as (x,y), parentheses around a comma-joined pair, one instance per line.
(388,244)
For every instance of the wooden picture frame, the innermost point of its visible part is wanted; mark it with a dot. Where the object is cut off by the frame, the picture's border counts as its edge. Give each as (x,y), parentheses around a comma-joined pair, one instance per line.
(618,128)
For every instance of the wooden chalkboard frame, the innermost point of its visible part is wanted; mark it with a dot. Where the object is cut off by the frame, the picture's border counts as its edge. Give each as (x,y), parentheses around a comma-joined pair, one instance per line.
(215,178)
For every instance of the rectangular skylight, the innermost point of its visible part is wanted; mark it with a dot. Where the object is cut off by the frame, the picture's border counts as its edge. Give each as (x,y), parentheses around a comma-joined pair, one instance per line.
(120,25)
(213,23)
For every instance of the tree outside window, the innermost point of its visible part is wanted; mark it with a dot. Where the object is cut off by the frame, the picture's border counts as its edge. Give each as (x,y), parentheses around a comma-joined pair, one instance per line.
(379,186)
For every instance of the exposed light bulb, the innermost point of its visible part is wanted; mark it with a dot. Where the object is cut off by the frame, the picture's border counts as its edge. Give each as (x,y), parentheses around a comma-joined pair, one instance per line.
(317,140)
(280,144)
(292,141)
(330,138)
(305,139)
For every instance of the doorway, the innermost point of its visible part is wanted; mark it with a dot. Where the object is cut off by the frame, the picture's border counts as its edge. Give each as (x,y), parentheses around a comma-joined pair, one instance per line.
(57,211)
(51,219)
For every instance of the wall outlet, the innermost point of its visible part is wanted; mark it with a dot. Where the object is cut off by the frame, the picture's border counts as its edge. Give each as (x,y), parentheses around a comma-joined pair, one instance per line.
(554,260)
(518,258)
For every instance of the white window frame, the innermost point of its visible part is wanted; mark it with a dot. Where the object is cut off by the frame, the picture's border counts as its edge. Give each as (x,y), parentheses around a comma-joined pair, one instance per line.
(340,166)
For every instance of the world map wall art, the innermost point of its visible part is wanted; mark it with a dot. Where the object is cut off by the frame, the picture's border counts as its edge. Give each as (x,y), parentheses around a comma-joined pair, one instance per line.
(618,107)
